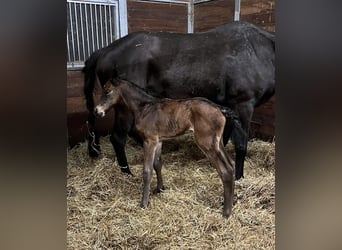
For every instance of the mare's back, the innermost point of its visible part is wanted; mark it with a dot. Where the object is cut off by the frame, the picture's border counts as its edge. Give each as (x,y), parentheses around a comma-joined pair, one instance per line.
(218,64)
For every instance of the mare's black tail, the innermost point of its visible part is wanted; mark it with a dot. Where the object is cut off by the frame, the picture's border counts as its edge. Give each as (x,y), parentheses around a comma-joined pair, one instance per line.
(269,35)
(88,89)
(233,124)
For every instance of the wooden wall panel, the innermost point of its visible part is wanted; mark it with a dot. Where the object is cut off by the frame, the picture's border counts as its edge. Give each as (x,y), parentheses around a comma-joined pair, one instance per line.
(263,121)
(75,96)
(77,112)
(153,16)
(211,14)
(259,12)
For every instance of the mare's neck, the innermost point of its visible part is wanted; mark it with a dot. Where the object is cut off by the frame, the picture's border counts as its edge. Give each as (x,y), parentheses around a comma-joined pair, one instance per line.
(134,97)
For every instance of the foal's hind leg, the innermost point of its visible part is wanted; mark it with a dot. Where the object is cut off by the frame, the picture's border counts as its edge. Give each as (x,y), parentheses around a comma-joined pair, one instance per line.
(157,165)
(226,173)
(214,150)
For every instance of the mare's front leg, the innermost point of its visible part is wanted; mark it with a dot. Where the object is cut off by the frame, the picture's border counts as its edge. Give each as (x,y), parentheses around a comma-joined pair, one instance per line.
(245,111)
(122,124)
(150,147)
(93,138)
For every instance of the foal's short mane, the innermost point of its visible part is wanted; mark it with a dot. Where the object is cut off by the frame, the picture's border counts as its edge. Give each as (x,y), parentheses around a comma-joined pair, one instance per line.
(141,90)
(156,98)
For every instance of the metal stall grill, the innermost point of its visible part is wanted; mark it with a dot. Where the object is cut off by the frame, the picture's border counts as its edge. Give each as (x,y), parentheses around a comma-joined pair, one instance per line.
(91,25)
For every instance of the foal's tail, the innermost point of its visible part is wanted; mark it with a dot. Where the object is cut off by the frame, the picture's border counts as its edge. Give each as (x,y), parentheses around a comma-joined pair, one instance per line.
(89,84)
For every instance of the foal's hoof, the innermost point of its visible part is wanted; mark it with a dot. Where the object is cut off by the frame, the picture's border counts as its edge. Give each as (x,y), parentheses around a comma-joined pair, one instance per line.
(143,206)
(227,214)
(158,190)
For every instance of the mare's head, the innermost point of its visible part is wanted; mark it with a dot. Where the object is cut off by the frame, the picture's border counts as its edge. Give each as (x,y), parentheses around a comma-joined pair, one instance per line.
(110,96)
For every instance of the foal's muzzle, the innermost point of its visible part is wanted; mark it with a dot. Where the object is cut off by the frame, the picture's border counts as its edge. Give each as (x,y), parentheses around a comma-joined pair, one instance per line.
(99,112)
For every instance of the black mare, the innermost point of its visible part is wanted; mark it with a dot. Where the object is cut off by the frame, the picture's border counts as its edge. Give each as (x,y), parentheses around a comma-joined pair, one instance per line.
(231,65)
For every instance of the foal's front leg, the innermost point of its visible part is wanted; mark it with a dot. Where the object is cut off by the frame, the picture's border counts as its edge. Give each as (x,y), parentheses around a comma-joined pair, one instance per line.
(150,147)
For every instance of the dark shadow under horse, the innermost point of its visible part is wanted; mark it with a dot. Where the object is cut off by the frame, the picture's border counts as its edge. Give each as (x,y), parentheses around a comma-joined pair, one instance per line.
(231,65)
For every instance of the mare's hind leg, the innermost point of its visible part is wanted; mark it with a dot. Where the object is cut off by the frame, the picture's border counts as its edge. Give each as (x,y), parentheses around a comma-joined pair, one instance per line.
(215,152)
(150,147)
(122,124)
(157,165)
(245,111)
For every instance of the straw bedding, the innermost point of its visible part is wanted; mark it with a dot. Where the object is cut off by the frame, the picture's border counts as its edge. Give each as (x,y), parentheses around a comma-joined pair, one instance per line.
(103,205)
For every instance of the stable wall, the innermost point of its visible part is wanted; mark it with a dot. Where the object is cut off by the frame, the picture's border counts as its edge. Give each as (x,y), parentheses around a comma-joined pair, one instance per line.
(157,16)
(172,17)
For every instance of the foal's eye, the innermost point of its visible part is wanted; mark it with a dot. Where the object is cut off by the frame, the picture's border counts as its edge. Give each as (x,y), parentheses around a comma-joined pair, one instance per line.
(108,91)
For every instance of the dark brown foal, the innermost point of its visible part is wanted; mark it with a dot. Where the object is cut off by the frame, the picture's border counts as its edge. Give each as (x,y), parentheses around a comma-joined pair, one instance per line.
(161,119)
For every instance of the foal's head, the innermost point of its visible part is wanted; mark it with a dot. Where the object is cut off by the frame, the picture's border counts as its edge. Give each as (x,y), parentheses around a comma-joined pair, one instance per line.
(110,96)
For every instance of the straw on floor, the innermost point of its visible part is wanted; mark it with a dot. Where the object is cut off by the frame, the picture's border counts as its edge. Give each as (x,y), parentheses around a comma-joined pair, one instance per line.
(103,205)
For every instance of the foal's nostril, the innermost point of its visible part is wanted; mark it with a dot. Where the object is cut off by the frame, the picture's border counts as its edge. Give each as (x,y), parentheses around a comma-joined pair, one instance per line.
(99,112)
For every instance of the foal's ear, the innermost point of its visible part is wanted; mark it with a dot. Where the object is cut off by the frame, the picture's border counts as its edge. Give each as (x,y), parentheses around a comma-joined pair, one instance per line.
(115,81)
(107,85)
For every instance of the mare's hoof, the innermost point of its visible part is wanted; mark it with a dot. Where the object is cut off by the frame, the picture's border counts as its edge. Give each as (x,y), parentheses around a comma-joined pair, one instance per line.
(126,171)
(238,176)
(94,150)
(94,154)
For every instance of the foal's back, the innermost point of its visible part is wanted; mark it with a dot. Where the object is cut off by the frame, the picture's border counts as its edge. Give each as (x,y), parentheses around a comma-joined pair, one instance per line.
(168,118)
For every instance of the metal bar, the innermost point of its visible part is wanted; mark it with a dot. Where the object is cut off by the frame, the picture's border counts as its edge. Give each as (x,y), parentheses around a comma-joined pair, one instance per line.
(237,10)
(117,23)
(69,56)
(86,17)
(94,1)
(164,1)
(97,29)
(82,41)
(122,13)
(101,27)
(110,24)
(92,27)
(191,17)
(72,34)
(106,23)
(77,36)
(82,32)
(200,1)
